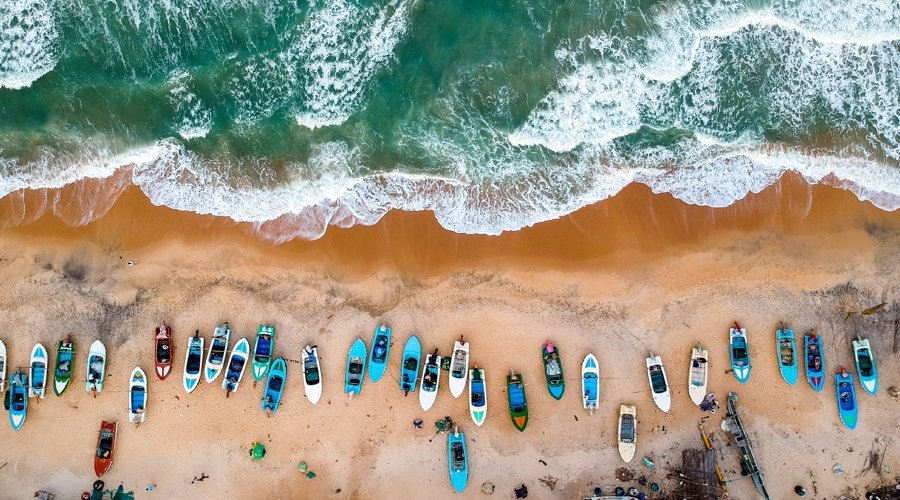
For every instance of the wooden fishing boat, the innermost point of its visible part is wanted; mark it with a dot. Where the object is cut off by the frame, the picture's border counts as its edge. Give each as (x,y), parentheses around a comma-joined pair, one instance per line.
(590,383)
(659,384)
(263,350)
(787,354)
(218,349)
(457,460)
(553,372)
(740,353)
(477,396)
(274,385)
(193,362)
(96,368)
(865,366)
(846,398)
(697,374)
(431,380)
(106,446)
(18,399)
(409,370)
(65,365)
(312,373)
(518,405)
(356,368)
(237,362)
(627,432)
(815,360)
(38,372)
(378,356)
(137,396)
(459,368)
(163,350)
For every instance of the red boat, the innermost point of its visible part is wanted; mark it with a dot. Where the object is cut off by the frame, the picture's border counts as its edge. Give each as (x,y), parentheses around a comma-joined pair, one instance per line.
(163,351)
(106,444)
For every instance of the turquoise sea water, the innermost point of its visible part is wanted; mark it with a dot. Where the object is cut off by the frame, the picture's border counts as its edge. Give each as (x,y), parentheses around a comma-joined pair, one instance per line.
(495,114)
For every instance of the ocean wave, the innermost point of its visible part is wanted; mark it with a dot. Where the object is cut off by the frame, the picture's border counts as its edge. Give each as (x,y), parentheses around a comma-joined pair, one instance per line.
(28,42)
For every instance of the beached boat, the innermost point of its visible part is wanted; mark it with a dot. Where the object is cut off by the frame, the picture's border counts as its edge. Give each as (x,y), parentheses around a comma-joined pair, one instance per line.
(38,372)
(218,349)
(237,362)
(262,351)
(846,398)
(590,383)
(815,360)
(163,350)
(96,368)
(2,366)
(518,405)
(378,357)
(740,353)
(477,396)
(659,384)
(627,432)
(457,460)
(431,380)
(65,365)
(697,374)
(18,399)
(275,385)
(787,354)
(312,373)
(106,445)
(356,367)
(553,372)
(137,396)
(409,370)
(459,368)
(865,366)
(193,362)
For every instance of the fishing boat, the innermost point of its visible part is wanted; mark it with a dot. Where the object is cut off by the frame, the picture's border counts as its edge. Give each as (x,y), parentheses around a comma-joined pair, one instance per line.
(106,445)
(431,380)
(815,360)
(96,368)
(457,460)
(137,396)
(553,371)
(65,365)
(846,398)
(18,399)
(787,354)
(865,366)
(312,373)
(163,350)
(409,371)
(627,432)
(38,372)
(477,396)
(237,362)
(459,368)
(590,383)
(740,353)
(356,367)
(659,384)
(697,374)
(381,347)
(518,405)
(2,366)
(262,351)
(193,362)
(274,385)
(218,349)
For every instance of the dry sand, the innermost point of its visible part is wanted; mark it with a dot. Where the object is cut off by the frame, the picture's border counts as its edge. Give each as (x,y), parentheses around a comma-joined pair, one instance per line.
(635,273)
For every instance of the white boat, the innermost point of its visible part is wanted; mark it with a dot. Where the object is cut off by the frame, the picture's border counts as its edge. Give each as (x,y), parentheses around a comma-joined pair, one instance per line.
(237,362)
(96,368)
(590,382)
(193,363)
(37,372)
(137,396)
(459,368)
(477,396)
(3,364)
(659,384)
(431,380)
(698,374)
(218,349)
(627,432)
(312,373)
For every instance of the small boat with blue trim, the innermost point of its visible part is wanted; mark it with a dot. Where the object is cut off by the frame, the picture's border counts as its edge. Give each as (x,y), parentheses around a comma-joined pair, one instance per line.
(787,354)
(846,398)
(740,353)
(865,366)
(815,360)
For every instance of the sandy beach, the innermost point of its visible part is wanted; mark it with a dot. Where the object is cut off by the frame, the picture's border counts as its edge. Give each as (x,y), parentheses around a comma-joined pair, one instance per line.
(636,273)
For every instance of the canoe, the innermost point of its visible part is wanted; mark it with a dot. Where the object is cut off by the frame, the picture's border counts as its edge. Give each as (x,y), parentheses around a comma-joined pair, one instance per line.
(477,396)
(356,367)
(274,385)
(106,445)
(659,384)
(865,366)
(38,372)
(95,371)
(193,362)
(163,350)
(137,396)
(740,353)
(553,371)
(312,373)
(237,362)
(3,363)
(846,398)
(218,349)
(787,354)
(590,383)
(459,368)
(518,405)
(431,380)
(815,360)
(697,374)
(409,370)
(18,398)
(457,460)
(65,365)
(262,351)
(627,432)
(378,357)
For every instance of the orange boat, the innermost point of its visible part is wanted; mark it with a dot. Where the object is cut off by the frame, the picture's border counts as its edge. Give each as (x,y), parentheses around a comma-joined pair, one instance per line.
(163,354)
(106,444)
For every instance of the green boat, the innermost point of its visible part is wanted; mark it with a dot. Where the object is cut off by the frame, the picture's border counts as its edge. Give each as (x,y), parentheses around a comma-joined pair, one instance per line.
(262,351)
(518,406)
(556,383)
(65,364)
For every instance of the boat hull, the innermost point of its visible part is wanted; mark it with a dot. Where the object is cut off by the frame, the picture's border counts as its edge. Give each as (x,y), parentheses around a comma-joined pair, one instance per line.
(18,394)
(866,369)
(263,349)
(3,365)
(64,366)
(38,371)
(477,396)
(457,461)
(459,369)
(356,359)
(162,356)
(812,347)
(409,368)
(590,382)
(739,350)
(659,383)
(379,355)
(218,351)
(627,441)
(698,373)
(518,403)
(427,395)
(846,399)
(553,371)
(312,369)
(786,350)
(137,396)
(103,457)
(239,353)
(193,364)
(96,359)
(275,382)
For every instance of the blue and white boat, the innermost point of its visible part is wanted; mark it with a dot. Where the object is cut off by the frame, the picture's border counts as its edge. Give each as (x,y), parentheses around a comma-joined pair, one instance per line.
(457,460)
(814,360)
(356,367)
(137,396)
(38,372)
(739,350)
(477,396)
(409,370)
(274,385)
(590,382)
(431,380)
(846,399)
(193,362)
(237,362)
(865,366)
(787,354)
(218,349)
(18,399)
(381,347)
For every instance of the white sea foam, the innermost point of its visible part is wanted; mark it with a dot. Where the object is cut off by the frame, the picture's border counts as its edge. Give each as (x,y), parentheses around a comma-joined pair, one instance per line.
(28,42)
(193,118)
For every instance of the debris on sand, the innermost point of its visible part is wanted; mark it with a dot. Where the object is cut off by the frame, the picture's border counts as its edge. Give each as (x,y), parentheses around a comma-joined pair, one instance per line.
(549,481)
(625,474)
